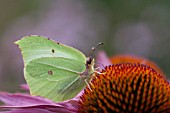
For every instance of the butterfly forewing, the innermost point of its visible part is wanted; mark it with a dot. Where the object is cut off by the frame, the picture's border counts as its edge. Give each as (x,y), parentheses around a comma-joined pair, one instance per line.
(33,47)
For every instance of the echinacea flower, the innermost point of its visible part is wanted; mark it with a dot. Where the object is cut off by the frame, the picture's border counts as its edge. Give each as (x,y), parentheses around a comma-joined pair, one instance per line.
(125,88)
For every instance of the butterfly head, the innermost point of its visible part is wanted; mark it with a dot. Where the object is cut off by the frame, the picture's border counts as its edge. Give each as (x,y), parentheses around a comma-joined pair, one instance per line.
(90,59)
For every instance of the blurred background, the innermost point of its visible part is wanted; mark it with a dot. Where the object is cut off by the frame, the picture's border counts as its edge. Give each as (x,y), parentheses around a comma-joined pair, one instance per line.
(138,27)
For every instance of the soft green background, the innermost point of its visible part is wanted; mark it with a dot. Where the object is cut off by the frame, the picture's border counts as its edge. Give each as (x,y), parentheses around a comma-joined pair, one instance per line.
(140,27)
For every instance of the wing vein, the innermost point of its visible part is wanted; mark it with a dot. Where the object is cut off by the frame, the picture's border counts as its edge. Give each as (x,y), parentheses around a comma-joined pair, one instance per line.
(59,67)
(67,86)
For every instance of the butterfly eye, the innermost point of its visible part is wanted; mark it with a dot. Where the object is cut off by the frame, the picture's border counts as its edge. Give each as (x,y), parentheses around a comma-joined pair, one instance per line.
(88,61)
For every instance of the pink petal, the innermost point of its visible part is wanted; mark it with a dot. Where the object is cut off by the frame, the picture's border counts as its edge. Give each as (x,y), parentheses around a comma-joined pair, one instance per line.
(27,103)
(28,111)
(25,87)
(103,59)
(19,99)
(46,108)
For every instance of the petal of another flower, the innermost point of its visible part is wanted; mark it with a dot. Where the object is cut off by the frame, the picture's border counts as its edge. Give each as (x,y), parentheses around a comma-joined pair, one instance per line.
(25,87)
(26,102)
(103,59)
(28,111)
(19,99)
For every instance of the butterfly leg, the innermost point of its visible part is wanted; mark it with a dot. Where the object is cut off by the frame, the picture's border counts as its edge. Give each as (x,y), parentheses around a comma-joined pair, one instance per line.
(95,70)
(87,84)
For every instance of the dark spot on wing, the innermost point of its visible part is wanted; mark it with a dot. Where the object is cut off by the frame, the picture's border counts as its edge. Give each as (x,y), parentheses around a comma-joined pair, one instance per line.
(50,72)
(52,50)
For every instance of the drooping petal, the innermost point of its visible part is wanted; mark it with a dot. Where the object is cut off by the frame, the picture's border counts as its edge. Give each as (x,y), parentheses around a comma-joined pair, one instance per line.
(19,99)
(28,103)
(33,110)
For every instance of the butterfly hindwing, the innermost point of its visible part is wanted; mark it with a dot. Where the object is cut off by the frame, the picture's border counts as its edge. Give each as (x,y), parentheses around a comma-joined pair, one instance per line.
(55,78)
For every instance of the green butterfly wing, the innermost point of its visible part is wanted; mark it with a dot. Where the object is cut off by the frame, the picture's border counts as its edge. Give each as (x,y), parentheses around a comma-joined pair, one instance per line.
(55,78)
(52,70)
(33,47)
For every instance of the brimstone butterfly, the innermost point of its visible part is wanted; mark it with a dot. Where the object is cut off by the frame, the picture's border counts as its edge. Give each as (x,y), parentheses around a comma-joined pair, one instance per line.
(53,70)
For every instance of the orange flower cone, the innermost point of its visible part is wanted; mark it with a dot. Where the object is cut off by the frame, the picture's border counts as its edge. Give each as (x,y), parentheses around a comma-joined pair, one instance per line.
(126,88)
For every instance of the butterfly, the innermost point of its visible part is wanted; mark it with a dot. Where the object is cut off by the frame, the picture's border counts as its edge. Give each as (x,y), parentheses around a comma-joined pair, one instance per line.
(54,70)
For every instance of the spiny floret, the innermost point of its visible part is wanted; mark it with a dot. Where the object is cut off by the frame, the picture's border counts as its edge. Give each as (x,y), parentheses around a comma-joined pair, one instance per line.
(117,59)
(127,88)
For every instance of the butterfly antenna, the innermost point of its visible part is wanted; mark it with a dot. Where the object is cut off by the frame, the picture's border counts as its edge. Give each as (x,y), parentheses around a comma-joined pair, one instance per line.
(89,60)
(94,48)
